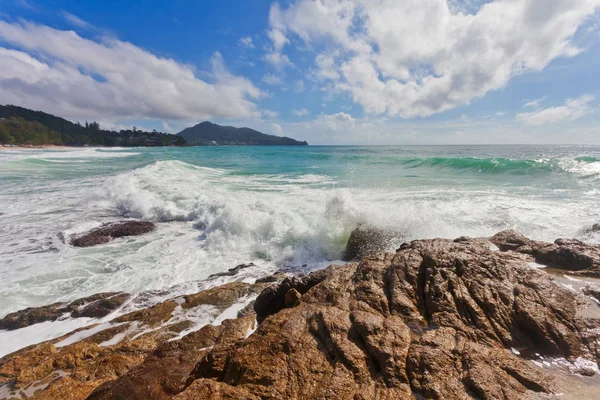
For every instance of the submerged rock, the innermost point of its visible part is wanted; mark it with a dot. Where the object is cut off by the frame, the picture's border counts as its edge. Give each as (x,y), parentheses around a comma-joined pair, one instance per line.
(368,240)
(96,306)
(113,230)
(569,254)
(232,271)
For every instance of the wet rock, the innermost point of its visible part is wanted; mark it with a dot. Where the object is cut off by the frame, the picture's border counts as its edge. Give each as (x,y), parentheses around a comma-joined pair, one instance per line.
(113,230)
(569,254)
(593,228)
(271,278)
(592,291)
(96,306)
(435,320)
(272,299)
(232,271)
(368,240)
(136,342)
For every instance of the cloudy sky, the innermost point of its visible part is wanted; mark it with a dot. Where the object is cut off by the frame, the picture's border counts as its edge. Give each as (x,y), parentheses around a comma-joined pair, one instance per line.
(325,71)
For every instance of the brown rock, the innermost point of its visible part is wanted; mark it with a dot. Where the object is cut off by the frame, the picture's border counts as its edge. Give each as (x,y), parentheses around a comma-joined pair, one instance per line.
(113,230)
(292,298)
(568,254)
(138,341)
(95,306)
(434,320)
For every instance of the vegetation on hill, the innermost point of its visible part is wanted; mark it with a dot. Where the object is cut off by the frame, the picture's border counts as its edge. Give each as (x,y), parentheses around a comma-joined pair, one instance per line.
(209,134)
(20,125)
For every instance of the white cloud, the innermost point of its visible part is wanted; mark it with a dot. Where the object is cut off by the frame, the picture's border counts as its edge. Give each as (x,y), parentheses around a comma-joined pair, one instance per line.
(337,121)
(246,42)
(534,103)
(272,80)
(572,109)
(420,57)
(301,112)
(268,114)
(76,21)
(62,73)
(278,60)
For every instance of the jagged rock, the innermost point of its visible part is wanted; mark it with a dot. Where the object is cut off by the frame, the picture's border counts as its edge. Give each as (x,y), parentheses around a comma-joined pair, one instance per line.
(569,254)
(292,298)
(95,306)
(138,341)
(592,291)
(434,320)
(368,240)
(272,299)
(231,271)
(113,230)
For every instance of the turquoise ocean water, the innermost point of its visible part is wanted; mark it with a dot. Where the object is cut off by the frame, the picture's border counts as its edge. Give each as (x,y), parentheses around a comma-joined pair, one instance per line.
(217,207)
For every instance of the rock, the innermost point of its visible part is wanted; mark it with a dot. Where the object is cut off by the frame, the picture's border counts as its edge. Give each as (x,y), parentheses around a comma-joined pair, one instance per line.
(271,278)
(113,230)
(137,342)
(593,228)
(435,320)
(272,299)
(592,291)
(367,241)
(292,298)
(568,254)
(96,306)
(232,271)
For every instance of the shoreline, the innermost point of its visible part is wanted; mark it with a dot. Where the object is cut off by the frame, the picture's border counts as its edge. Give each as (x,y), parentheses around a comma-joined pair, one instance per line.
(33,147)
(419,311)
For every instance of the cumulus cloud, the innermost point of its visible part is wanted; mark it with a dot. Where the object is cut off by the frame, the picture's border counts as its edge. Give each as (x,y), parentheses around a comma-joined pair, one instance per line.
(420,57)
(572,109)
(268,114)
(246,42)
(63,73)
(336,121)
(301,112)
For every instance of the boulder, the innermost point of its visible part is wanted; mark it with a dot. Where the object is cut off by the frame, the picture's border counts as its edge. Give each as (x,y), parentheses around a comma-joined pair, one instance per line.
(569,254)
(435,320)
(113,230)
(95,306)
(368,240)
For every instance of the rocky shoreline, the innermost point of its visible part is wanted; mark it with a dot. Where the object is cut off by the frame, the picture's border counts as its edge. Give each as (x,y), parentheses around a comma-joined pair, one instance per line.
(438,319)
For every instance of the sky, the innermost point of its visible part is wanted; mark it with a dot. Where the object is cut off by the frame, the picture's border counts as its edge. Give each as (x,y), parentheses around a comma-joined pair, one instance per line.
(369,72)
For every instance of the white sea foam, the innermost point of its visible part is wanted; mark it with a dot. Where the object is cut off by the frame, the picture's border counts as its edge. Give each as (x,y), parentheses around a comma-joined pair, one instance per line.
(210,220)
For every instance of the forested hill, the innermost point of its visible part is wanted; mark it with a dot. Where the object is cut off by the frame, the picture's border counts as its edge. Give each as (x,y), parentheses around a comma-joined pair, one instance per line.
(20,125)
(209,134)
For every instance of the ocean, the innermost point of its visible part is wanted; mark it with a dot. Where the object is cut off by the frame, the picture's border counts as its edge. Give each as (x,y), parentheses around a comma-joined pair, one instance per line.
(276,207)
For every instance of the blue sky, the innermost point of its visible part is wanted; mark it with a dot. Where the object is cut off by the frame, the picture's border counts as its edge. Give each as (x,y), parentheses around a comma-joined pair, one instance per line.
(326,71)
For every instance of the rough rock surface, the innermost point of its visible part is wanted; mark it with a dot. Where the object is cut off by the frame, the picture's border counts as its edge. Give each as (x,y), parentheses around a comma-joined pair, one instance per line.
(434,320)
(568,254)
(96,306)
(367,240)
(113,230)
(232,271)
(72,371)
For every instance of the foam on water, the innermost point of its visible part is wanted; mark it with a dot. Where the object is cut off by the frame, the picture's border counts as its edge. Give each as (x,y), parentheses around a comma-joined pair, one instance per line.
(217,208)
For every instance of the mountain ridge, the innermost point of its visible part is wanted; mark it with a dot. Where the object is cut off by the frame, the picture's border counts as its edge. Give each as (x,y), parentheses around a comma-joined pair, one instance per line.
(210,134)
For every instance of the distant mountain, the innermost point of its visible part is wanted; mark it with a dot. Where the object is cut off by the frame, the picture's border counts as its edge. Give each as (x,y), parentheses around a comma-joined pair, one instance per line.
(209,134)
(20,125)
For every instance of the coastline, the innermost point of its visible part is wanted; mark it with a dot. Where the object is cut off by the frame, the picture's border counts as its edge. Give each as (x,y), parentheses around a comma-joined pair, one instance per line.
(40,147)
(438,317)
